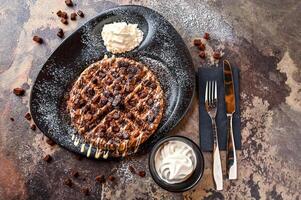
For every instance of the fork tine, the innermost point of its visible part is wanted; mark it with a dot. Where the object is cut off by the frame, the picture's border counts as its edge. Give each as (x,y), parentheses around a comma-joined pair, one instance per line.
(206,92)
(209,92)
(215,90)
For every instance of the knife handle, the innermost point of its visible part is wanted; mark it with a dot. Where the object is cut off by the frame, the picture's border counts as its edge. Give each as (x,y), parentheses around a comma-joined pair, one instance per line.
(231,153)
(217,165)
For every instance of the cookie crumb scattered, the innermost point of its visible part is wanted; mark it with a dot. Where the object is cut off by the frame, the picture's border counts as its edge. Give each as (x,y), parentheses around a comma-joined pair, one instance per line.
(60,33)
(28,116)
(202,54)
(47,158)
(73,16)
(33,127)
(111,178)
(216,55)
(142,173)
(37,39)
(69,3)
(12,119)
(59,13)
(50,142)
(132,169)
(80,13)
(206,36)
(19,91)
(64,21)
(74,173)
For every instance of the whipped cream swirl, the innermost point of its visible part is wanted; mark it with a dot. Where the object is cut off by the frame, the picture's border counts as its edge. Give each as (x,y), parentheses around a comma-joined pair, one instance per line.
(175,161)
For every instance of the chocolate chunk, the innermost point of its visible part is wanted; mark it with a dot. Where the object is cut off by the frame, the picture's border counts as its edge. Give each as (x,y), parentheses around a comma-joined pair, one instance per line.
(109,81)
(150,102)
(12,119)
(142,94)
(123,64)
(116,101)
(202,54)
(107,94)
(33,127)
(100,179)
(118,87)
(116,129)
(73,16)
(80,13)
(111,178)
(50,142)
(216,55)
(68,182)
(150,117)
(206,36)
(197,42)
(103,101)
(90,92)
(64,15)
(47,158)
(94,80)
(139,122)
(142,173)
(85,191)
(141,109)
(69,3)
(64,21)
(60,33)
(202,47)
(28,116)
(59,13)
(132,70)
(130,115)
(133,102)
(19,91)
(132,169)
(116,115)
(125,135)
(74,173)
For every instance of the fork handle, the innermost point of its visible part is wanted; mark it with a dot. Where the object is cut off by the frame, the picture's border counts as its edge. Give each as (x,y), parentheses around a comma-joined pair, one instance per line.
(217,165)
(231,153)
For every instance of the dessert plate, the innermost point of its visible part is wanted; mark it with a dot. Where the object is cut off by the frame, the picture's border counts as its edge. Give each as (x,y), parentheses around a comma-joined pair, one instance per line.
(162,49)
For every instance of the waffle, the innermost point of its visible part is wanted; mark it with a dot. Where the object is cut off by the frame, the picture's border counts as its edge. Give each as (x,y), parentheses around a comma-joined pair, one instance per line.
(116,104)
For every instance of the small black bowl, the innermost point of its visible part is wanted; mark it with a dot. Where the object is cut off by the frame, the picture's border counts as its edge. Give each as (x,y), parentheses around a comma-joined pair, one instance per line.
(192,180)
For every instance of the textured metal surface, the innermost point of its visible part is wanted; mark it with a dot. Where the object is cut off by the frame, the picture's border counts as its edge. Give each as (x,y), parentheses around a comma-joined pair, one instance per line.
(261,37)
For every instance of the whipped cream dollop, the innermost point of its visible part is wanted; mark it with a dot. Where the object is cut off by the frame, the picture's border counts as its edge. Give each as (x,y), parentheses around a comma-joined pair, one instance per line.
(120,37)
(175,161)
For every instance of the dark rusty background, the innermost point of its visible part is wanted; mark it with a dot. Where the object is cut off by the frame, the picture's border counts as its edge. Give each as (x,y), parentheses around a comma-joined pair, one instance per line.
(263,38)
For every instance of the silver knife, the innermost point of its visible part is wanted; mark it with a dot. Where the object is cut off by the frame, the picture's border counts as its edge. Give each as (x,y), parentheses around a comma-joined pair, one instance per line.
(230,108)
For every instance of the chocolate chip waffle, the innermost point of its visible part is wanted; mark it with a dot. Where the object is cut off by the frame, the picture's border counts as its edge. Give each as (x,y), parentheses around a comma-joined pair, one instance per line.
(116,104)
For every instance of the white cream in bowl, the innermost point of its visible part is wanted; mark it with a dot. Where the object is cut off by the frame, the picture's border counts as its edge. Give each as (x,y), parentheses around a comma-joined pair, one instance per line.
(175,161)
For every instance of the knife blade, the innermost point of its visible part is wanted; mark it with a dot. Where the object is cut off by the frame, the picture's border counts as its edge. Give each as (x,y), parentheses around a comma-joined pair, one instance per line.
(230,109)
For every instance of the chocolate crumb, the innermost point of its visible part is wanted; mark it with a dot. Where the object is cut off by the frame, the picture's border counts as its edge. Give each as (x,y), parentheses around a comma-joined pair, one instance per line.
(33,127)
(64,15)
(37,39)
(100,179)
(68,182)
(28,116)
(142,173)
(111,178)
(206,36)
(47,158)
(85,190)
(64,21)
(19,91)
(132,169)
(73,16)
(202,54)
(197,42)
(69,3)
(60,33)
(12,119)
(74,173)
(80,13)
(50,142)
(59,13)
(216,55)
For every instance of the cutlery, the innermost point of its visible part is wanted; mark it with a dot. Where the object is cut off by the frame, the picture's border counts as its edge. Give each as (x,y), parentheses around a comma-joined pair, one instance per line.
(211,107)
(230,109)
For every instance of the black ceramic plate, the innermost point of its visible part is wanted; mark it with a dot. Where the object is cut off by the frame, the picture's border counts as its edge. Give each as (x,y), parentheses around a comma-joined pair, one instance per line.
(162,49)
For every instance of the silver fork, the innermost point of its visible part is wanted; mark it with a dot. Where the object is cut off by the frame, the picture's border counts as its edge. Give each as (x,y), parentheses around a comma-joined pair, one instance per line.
(211,107)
